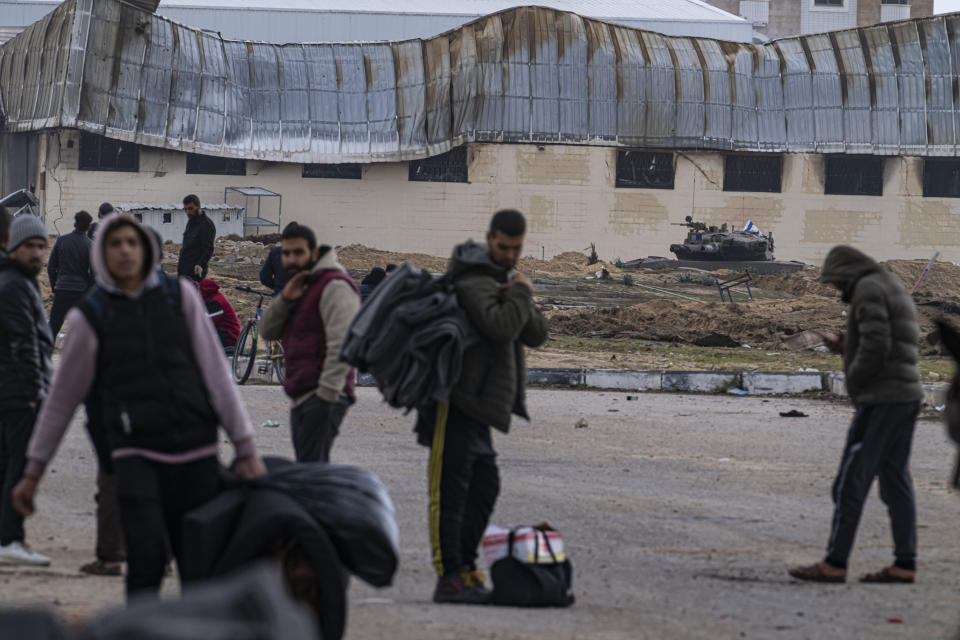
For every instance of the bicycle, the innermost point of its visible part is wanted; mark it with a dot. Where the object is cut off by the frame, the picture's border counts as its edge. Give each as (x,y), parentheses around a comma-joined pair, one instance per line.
(245,353)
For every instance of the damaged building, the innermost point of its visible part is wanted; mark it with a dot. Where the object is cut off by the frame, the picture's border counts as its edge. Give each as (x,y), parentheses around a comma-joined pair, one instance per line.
(786,18)
(599,132)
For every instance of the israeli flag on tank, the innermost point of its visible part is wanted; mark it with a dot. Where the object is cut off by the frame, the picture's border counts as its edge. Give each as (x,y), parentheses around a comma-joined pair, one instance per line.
(752,228)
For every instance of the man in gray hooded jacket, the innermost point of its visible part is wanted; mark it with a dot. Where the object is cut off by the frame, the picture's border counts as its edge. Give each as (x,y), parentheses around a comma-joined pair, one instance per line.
(880,364)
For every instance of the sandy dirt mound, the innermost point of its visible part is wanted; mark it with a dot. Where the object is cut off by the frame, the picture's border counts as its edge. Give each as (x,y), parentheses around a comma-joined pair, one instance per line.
(356,256)
(759,323)
(943,281)
(569,264)
(802,283)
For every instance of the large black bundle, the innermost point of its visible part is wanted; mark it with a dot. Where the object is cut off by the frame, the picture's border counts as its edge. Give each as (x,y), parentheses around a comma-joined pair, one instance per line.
(249,604)
(410,335)
(354,509)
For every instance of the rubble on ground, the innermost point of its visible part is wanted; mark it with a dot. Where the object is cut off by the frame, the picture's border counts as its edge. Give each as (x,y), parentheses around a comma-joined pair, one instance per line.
(679,305)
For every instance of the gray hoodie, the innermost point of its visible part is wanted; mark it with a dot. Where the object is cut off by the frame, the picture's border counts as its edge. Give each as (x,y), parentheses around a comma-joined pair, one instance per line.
(881,347)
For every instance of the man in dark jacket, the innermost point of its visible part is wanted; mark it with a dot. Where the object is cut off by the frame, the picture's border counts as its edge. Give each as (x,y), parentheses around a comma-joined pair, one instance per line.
(69,270)
(198,240)
(463,476)
(370,282)
(880,364)
(272,274)
(25,368)
(105,209)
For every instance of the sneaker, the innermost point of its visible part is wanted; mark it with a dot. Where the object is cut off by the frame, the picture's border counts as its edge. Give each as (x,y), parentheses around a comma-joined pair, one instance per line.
(473,578)
(453,589)
(18,552)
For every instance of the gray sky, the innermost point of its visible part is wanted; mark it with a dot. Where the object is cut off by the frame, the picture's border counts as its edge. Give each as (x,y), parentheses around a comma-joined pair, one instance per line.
(946,6)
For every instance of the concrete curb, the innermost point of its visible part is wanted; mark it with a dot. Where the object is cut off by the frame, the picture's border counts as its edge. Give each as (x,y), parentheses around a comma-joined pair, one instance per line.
(753,382)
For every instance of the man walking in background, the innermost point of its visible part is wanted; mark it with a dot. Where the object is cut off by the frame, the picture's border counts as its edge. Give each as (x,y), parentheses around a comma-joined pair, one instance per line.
(880,364)
(463,476)
(26,345)
(198,240)
(272,274)
(311,316)
(105,209)
(69,270)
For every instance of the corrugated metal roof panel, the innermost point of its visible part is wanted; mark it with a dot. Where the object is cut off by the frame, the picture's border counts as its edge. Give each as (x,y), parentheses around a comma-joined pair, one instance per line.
(939,73)
(718,92)
(771,115)
(855,89)
(524,75)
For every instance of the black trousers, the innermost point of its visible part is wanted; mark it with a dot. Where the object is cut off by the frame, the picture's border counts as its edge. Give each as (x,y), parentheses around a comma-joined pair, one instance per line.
(464,484)
(313,426)
(16,426)
(153,498)
(63,301)
(878,445)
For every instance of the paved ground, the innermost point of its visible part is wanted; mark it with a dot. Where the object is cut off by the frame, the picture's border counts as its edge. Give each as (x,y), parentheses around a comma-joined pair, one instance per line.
(681,515)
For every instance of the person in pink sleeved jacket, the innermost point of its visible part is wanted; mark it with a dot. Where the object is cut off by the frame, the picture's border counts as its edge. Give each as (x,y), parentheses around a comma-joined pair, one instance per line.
(141,343)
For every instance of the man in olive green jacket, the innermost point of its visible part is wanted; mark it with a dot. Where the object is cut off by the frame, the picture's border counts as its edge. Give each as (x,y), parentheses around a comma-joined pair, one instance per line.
(463,476)
(880,362)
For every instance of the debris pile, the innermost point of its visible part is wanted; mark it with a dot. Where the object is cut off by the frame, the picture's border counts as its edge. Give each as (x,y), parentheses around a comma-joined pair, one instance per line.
(790,312)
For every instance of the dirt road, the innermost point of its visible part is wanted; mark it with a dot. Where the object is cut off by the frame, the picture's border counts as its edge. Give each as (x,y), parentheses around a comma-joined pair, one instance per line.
(681,515)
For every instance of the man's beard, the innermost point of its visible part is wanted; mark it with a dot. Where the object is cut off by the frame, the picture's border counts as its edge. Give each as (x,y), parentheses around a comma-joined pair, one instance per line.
(294,270)
(32,268)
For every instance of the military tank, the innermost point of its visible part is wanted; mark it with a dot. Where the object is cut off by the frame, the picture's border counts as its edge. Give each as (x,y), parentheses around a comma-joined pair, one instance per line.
(720,244)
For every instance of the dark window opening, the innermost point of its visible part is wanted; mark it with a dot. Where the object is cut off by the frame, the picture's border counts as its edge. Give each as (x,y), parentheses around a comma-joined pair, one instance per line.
(103,154)
(853,176)
(348,171)
(216,166)
(941,178)
(167,218)
(894,1)
(138,216)
(644,170)
(828,3)
(753,173)
(446,167)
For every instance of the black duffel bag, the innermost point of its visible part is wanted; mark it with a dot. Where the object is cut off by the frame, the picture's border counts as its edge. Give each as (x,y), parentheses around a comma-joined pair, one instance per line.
(531,584)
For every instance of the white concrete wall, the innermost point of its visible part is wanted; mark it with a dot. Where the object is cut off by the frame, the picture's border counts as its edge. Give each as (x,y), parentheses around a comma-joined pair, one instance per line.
(567,193)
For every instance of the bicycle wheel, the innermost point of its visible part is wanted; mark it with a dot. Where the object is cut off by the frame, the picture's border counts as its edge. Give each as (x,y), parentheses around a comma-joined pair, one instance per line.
(245,353)
(278,364)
